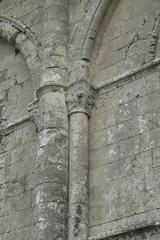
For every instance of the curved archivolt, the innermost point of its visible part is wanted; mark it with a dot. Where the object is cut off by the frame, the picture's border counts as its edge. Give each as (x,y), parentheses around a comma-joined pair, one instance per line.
(81,44)
(17,33)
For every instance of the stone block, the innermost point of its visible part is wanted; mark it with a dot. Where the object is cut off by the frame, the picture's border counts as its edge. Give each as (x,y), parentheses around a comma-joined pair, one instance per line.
(103,156)
(129,146)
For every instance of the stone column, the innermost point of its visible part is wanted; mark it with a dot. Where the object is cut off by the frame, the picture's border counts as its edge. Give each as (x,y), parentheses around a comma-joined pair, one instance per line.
(50,207)
(80,101)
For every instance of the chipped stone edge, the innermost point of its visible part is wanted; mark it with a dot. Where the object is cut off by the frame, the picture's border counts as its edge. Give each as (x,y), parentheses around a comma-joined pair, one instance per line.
(21,27)
(128,74)
(119,227)
(17,33)
(142,227)
(11,127)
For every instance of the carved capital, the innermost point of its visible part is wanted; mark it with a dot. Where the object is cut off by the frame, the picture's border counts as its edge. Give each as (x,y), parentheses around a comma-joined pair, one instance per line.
(80,98)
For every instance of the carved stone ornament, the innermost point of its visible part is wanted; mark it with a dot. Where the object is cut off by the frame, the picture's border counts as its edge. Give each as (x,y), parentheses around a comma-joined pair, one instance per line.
(154,38)
(80,97)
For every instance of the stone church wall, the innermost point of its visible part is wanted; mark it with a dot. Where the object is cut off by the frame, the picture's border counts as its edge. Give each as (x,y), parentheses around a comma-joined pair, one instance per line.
(79,119)
(17,146)
(28,12)
(124,125)
(126,39)
(124,153)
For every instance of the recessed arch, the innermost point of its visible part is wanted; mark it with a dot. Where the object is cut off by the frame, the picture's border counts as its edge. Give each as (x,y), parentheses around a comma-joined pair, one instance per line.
(17,33)
(19,75)
(83,38)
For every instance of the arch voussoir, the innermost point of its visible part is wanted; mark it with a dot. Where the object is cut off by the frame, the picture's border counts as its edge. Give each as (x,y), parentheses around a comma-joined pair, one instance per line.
(84,37)
(17,33)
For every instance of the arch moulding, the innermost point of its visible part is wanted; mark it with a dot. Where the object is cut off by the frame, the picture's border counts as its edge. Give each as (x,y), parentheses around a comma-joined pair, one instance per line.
(18,34)
(83,38)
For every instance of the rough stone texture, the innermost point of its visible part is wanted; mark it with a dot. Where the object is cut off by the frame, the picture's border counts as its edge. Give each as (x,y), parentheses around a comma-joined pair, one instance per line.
(73,65)
(80,98)
(50,211)
(124,143)
(150,232)
(17,146)
(78,177)
(50,208)
(27,11)
(128,39)
(124,125)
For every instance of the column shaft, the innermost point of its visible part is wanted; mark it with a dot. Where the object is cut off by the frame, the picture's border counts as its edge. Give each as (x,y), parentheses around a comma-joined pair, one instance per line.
(54,42)
(78,177)
(50,209)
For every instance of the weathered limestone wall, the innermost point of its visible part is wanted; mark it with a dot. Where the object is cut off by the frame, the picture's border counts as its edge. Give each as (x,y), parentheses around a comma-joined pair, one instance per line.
(44,190)
(28,12)
(76,10)
(124,154)
(127,40)
(124,125)
(17,145)
(16,84)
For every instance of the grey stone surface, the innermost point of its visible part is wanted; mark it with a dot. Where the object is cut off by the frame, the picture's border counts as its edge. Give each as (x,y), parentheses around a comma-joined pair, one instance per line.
(79,119)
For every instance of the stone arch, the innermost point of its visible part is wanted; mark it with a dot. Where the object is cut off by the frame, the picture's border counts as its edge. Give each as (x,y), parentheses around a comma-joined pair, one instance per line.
(83,38)
(17,33)
(17,125)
